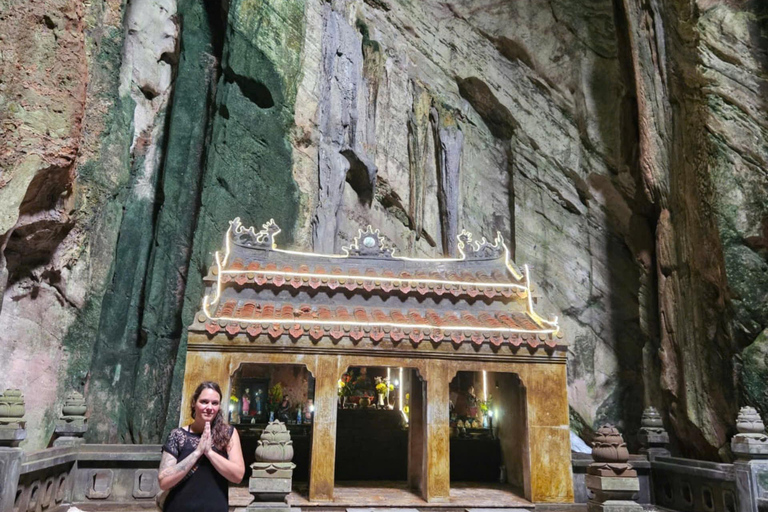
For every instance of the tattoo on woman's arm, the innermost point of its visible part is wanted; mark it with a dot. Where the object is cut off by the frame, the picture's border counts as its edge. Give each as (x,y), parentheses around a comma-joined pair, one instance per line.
(169,466)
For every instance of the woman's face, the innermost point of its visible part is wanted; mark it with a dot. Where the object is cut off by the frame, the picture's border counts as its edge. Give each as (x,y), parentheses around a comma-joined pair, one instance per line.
(207,405)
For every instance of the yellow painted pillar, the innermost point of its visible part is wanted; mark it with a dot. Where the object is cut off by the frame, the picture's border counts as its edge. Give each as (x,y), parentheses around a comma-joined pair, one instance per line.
(437,433)
(202,366)
(549,442)
(323,451)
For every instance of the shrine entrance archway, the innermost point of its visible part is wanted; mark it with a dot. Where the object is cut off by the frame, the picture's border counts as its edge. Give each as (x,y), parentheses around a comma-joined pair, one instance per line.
(489,432)
(373,435)
(262,392)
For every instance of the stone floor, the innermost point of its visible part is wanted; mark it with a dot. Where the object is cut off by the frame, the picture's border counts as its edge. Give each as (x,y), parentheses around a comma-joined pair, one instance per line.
(394,496)
(397,494)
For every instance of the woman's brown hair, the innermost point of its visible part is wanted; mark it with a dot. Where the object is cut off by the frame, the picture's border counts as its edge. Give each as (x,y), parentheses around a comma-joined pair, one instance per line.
(219,429)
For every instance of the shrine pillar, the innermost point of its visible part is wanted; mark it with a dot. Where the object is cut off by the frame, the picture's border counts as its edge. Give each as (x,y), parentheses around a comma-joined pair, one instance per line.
(437,486)
(416,446)
(200,367)
(323,450)
(549,442)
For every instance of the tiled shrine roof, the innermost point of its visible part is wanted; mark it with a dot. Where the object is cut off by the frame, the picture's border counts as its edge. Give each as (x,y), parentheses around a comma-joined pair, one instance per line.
(255,318)
(457,283)
(260,291)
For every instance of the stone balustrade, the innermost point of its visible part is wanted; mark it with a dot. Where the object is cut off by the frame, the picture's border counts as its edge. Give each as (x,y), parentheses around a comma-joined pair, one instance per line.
(680,484)
(71,472)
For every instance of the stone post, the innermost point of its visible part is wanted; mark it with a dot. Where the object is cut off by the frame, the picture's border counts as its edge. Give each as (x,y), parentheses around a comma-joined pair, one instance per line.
(751,442)
(12,432)
(611,479)
(750,446)
(272,473)
(652,436)
(12,424)
(71,425)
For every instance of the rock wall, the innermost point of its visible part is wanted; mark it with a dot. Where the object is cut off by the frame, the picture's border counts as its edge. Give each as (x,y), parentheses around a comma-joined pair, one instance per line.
(618,146)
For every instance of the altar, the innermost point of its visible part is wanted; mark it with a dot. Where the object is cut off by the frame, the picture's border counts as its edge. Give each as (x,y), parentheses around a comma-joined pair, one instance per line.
(458,364)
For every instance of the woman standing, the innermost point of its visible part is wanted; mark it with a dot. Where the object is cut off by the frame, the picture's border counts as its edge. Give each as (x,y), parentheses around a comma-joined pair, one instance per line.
(200,458)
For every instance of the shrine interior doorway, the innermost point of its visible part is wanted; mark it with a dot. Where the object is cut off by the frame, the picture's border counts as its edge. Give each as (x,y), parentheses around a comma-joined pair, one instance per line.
(263,392)
(372,428)
(488,434)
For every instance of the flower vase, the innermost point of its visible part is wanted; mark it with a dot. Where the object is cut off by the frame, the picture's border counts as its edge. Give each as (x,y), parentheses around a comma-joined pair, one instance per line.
(271,416)
(380,402)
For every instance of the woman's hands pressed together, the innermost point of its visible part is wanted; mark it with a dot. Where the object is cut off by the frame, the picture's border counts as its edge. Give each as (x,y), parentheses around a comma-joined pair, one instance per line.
(205,446)
(232,467)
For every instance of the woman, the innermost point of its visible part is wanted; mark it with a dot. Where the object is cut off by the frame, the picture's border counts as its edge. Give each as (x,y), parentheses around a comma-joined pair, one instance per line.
(200,458)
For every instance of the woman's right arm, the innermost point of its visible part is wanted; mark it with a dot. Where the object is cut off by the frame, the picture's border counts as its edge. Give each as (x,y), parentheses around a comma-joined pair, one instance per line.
(172,472)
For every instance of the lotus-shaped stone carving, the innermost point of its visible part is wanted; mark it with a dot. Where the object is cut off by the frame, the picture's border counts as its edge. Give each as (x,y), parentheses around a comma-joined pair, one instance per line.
(749,421)
(74,405)
(12,404)
(609,446)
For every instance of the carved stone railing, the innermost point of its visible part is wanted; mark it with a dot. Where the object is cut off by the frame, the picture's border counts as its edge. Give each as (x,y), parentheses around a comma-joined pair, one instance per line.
(45,479)
(55,478)
(71,472)
(687,485)
(694,485)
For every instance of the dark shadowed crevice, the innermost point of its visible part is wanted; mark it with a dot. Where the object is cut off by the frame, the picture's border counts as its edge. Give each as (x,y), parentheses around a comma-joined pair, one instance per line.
(33,243)
(512,50)
(256,92)
(46,190)
(496,116)
(631,277)
(360,177)
(216,19)
(42,225)
(48,22)
(511,240)
(391,200)
(149,92)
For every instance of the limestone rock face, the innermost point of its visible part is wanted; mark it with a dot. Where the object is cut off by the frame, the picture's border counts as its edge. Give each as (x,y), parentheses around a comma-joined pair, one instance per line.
(619,148)
(63,164)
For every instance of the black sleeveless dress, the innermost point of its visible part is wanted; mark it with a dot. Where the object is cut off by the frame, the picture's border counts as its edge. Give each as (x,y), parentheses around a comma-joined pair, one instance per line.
(203,489)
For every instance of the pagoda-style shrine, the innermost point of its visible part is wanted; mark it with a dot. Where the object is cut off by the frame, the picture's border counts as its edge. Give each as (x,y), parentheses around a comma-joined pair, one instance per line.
(370,307)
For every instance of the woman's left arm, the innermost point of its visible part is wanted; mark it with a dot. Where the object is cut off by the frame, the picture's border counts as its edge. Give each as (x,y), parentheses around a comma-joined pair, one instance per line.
(232,468)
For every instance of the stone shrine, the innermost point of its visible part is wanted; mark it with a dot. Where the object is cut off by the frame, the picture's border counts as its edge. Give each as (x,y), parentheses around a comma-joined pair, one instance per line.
(369,306)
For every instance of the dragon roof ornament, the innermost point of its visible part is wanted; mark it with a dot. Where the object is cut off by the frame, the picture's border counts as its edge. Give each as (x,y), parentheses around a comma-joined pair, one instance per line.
(369,243)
